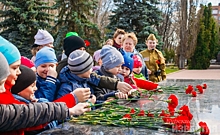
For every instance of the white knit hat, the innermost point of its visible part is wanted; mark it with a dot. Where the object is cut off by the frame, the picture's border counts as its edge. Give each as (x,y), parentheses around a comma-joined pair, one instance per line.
(43,37)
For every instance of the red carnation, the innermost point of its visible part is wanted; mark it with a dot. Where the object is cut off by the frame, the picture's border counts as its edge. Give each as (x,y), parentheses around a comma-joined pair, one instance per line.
(189,89)
(171,110)
(164,114)
(158,62)
(204,86)
(193,94)
(141,113)
(132,111)
(200,89)
(173,101)
(204,128)
(186,112)
(150,114)
(87,43)
(127,116)
(181,123)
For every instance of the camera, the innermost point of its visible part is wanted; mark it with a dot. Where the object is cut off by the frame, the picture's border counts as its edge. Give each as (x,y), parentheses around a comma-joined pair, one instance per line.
(157,73)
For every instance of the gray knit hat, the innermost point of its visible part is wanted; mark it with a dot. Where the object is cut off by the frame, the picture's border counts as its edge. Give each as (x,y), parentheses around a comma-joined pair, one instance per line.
(80,62)
(4,67)
(111,57)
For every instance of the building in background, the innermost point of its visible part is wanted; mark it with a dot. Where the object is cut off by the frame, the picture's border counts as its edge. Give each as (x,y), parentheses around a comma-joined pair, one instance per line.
(216,12)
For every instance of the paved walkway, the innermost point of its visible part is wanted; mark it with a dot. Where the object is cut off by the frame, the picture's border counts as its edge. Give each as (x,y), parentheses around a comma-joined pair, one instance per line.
(213,73)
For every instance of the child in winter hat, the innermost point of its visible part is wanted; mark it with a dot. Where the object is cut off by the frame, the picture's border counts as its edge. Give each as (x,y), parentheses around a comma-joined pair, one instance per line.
(97,60)
(138,67)
(111,67)
(9,50)
(111,57)
(45,64)
(4,72)
(127,68)
(27,62)
(76,74)
(43,38)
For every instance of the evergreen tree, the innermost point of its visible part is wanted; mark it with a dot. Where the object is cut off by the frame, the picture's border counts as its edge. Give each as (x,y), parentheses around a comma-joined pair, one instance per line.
(74,16)
(21,20)
(138,16)
(200,58)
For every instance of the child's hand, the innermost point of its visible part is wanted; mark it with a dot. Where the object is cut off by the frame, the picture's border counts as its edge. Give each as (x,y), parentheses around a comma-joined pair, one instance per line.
(52,72)
(131,91)
(124,87)
(82,94)
(110,99)
(121,95)
(92,99)
(79,109)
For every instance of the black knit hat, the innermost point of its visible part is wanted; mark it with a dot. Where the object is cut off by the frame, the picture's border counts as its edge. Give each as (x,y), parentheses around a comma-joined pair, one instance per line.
(25,79)
(72,43)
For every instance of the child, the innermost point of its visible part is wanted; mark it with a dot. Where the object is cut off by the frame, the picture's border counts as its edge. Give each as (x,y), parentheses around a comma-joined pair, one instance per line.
(45,64)
(76,74)
(111,66)
(136,83)
(4,72)
(127,67)
(97,59)
(154,60)
(137,68)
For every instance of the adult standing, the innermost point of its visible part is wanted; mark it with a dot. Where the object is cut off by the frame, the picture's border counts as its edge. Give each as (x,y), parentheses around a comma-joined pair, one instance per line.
(128,45)
(117,38)
(154,60)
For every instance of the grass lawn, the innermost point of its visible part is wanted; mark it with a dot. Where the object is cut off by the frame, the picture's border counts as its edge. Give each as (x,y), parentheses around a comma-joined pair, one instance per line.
(171,69)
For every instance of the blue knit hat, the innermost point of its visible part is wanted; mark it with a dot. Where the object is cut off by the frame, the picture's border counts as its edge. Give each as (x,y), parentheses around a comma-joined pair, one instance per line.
(10,51)
(45,55)
(111,57)
(128,58)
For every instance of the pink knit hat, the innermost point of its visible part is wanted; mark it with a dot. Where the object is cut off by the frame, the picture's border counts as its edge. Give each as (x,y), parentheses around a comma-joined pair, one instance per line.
(96,55)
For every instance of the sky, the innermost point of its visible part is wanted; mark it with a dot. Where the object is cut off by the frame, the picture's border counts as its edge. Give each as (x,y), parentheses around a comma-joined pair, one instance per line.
(214,2)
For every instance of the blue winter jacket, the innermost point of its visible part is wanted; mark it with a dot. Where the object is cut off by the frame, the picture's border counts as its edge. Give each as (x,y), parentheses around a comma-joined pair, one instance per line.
(46,88)
(70,82)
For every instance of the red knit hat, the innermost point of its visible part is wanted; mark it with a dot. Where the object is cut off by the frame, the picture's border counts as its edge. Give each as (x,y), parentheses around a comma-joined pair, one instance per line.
(26,62)
(137,61)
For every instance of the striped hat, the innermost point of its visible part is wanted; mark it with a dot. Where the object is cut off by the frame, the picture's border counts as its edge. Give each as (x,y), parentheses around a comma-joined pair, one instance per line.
(80,62)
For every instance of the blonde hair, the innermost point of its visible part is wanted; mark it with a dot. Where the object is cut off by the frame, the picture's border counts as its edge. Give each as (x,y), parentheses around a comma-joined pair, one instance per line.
(132,36)
(107,41)
(118,32)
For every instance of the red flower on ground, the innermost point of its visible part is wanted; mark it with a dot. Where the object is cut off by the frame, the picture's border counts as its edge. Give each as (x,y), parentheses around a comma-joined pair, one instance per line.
(141,113)
(127,116)
(200,88)
(150,114)
(184,111)
(132,111)
(204,128)
(173,101)
(181,123)
(171,110)
(163,114)
(204,86)
(193,94)
(87,42)
(189,89)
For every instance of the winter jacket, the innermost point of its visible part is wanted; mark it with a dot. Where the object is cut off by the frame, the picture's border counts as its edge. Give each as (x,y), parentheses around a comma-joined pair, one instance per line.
(70,82)
(139,76)
(109,82)
(103,94)
(7,98)
(129,80)
(46,88)
(155,62)
(40,100)
(20,117)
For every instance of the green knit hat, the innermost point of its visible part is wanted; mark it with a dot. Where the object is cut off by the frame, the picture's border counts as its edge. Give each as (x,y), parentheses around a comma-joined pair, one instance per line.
(71,34)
